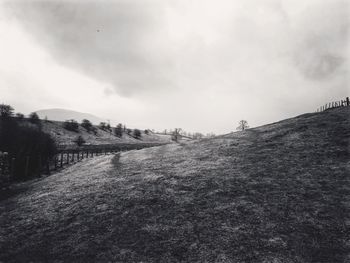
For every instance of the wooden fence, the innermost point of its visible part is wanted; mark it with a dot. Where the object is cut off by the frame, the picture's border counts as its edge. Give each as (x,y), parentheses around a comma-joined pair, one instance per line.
(334,104)
(63,158)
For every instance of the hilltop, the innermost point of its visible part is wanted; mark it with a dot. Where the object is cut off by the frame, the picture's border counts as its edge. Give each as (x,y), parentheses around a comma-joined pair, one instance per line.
(64,114)
(276,193)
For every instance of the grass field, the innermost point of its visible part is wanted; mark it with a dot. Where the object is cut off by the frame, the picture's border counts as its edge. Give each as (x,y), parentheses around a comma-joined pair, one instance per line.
(276,193)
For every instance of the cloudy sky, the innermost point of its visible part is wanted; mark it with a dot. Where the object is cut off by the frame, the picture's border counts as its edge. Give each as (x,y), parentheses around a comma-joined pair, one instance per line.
(197,64)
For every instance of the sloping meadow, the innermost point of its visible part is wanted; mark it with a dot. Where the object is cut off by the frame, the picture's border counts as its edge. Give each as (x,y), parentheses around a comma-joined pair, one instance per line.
(276,193)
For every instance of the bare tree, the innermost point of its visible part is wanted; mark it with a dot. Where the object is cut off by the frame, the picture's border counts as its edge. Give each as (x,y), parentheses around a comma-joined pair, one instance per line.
(243,125)
(176,134)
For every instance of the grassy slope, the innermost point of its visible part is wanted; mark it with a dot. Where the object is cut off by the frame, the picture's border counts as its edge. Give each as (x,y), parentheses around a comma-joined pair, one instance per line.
(63,136)
(277,193)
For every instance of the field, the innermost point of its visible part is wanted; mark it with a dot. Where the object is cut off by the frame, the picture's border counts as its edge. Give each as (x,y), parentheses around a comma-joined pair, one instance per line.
(276,193)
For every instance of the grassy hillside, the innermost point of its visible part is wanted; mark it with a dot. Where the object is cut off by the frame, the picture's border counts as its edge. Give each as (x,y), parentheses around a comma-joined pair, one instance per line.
(276,193)
(65,137)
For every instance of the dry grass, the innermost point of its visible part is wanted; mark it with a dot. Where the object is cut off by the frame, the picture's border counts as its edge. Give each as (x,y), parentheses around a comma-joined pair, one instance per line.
(277,193)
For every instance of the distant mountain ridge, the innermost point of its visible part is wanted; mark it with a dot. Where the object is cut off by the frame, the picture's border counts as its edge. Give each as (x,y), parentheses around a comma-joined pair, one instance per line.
(58,114)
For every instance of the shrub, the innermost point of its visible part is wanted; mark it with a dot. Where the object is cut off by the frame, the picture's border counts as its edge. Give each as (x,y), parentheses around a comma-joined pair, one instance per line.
(119,130)
(34,118)
(71,125)
(108,127)
(102,126)
(137,134)
(19,116)
(87,125)
(79,140)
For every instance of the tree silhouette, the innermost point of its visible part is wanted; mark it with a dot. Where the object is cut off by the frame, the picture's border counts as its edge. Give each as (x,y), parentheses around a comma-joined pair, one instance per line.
(71,125)
(176,134)
(6,111)
(119,130)
(137,134)
(243,125)
(87,125)
(79,140)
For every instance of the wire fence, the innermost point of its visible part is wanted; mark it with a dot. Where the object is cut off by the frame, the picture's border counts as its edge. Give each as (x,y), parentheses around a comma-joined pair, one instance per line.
(64,157)
(334,104)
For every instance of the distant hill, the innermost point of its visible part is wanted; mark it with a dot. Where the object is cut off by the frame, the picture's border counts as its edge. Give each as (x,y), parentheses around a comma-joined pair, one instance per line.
(63,114)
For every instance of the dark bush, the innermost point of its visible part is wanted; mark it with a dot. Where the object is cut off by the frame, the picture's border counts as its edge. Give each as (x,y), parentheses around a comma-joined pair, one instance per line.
(79,140)
(118,131)
(137,134)
(102,126)
(34,119)
(71,125)
(87,125)
(28,145)
(6,111)
(19,116)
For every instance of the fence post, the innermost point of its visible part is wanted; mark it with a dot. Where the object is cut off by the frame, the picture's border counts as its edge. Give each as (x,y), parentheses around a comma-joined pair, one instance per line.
(26,169)
(56,162)
(61,160)
(40,165)
(67,154)
(87,153)
(48,166)
(347,101)
(13,162)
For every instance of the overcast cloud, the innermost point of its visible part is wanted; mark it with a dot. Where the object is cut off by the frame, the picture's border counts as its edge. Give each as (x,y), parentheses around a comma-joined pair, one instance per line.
(197,64)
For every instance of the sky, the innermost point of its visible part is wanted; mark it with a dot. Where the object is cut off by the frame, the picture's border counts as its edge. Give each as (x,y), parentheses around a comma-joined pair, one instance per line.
(201,65)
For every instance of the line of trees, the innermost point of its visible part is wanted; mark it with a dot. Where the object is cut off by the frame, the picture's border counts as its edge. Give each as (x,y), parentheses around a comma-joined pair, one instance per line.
(21,139)
(118,131)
